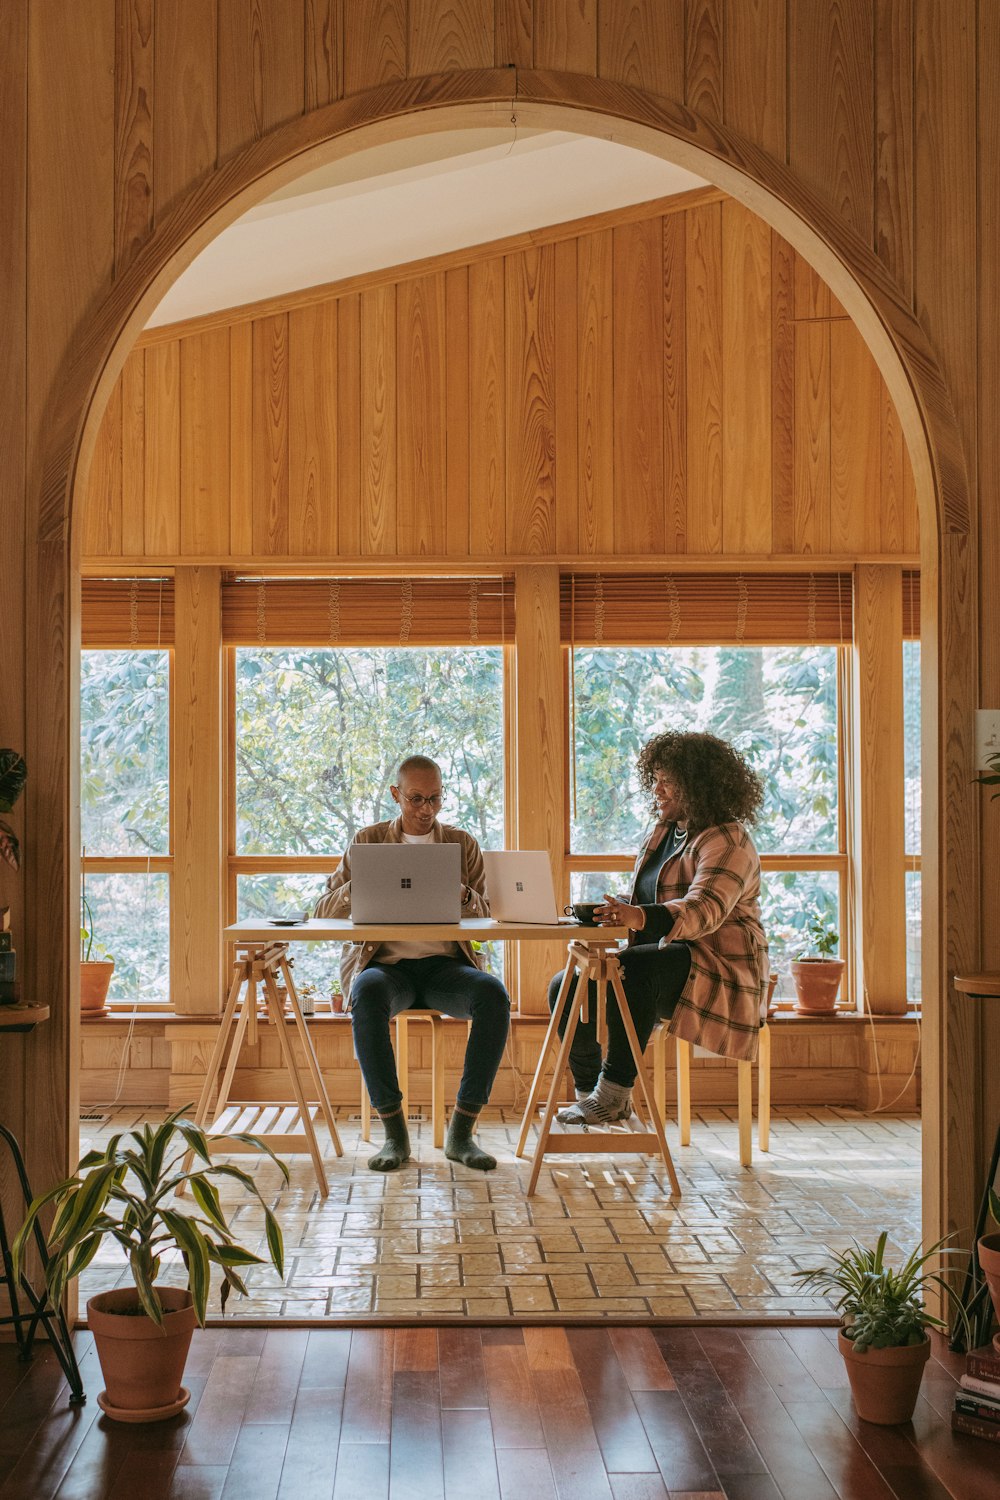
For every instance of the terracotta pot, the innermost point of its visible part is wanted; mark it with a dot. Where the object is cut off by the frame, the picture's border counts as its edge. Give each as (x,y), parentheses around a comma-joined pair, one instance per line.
(817,984)
(885,1383)
(95,981)
(142,1364)
(988,1249)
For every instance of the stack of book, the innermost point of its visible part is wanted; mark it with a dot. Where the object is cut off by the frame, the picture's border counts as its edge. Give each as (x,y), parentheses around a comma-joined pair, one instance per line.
(977,1404)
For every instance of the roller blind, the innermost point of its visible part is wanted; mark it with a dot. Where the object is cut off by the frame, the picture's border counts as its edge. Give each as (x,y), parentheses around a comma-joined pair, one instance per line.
(911,604)
(118,613)
(367,611)
(718,609)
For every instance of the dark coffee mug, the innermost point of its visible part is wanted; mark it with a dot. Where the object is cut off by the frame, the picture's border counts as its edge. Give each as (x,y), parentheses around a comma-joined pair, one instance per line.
(583,911)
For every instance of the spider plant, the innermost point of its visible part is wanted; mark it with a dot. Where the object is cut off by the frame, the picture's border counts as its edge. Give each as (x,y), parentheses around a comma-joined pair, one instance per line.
(124,1192)
(882,1307)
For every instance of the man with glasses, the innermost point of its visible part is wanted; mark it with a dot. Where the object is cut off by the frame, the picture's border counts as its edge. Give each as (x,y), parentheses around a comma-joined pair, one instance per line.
(382,979)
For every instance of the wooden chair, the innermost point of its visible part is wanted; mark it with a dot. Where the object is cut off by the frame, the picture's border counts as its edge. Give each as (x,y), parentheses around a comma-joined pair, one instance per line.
(436,1020)
(744,1087)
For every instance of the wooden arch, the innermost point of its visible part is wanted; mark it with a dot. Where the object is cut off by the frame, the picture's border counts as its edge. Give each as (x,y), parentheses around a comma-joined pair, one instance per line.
(638,119)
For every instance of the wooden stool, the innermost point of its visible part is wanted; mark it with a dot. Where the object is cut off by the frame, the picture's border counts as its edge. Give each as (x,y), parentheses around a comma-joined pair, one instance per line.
(744,1087)
(282,1127)
(597,961)
(403,1072)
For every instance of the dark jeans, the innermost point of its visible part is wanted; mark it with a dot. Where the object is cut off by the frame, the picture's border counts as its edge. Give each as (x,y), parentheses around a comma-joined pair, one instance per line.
(441,982)
(653,978)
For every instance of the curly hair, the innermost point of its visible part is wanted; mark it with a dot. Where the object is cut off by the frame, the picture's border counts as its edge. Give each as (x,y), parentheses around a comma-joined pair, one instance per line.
(715,781)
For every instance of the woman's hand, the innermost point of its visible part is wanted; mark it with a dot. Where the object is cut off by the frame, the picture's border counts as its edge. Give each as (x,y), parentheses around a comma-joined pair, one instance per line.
(617,913)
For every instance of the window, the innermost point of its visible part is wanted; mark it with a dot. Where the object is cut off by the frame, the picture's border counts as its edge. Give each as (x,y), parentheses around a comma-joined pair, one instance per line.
(777,703)
(911,812)
(125,815)
(318,736)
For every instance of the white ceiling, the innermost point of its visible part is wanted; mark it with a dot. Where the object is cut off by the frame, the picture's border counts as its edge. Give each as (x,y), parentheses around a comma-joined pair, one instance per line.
(453,190)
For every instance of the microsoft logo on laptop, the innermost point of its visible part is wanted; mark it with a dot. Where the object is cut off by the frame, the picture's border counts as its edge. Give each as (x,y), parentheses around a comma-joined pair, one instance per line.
(406,883)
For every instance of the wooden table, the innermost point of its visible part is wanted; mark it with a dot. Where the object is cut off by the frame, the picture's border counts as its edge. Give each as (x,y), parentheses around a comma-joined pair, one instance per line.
(591,955)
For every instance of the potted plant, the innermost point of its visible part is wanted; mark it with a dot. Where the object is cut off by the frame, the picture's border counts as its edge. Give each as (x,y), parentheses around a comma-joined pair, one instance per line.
(13,775)
(124,1192)
(988,1251)
(991,777)
(95,972)
(816,973)
(883,1336)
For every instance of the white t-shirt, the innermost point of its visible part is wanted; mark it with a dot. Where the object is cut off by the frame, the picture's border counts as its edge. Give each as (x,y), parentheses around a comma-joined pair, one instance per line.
(391,953)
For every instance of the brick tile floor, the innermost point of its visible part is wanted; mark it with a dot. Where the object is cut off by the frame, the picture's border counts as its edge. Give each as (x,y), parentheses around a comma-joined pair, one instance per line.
(599,1240)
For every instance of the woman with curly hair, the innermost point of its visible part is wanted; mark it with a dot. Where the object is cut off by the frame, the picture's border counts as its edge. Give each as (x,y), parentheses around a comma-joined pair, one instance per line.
(696,954)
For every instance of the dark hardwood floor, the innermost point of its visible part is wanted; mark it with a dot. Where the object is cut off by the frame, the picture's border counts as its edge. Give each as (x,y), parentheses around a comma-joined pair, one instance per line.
(493,1414)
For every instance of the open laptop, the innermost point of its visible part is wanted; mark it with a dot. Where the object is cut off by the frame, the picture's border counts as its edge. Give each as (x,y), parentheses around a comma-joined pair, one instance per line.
(406,883)
(519,885)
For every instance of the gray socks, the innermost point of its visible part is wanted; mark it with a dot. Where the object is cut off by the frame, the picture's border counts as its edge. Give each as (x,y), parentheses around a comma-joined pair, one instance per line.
(459,1145)
(608,1102)
(396,1146)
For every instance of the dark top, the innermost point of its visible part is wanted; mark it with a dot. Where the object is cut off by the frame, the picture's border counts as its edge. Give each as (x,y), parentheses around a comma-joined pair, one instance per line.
(658,921)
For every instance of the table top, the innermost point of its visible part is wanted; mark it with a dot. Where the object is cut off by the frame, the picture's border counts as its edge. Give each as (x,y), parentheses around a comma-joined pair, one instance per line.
(984,986)
(470,929)
(22,1017)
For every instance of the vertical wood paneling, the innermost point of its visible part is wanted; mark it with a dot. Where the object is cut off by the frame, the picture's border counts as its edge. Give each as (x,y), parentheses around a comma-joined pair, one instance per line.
(261,73)
(812,295)
(133,388)
(703,57)
(184,98)
(241,438)
(513,35)
(746,322)
(703,296)
(566,36)
(457,434)
(755,71)
(13,510)
(638,339)
(894,138)
(102,529)
(421,489)
(162,499)
(374,43)
(447,35)
(323,41)
(855,439)
(133,128)
(674,384)
(831,69)
(312,430)
(196,947)
(642,45)
(886,523)
(205,444)
(349,423)
(531,449)
(811,527)
(596,440)
(270,435)
(378,420)
(488,409)
(567,396)
(782,394)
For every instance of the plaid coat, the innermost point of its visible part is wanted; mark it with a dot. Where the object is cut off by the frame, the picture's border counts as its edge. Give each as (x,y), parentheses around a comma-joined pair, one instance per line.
(712,890)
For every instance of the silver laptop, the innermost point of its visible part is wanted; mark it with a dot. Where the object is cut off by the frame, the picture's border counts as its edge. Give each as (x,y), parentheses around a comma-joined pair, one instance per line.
(519,886)
(406,883)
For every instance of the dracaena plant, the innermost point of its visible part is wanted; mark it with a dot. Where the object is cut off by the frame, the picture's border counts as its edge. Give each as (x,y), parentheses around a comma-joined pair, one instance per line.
(126,1192)
(883,1307)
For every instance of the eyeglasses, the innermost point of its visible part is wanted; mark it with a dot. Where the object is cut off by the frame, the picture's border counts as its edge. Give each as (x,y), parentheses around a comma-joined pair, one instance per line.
(416,801)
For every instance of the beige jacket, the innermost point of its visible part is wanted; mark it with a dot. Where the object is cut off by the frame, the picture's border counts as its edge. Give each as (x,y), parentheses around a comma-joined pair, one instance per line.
(711,889)
(336,900)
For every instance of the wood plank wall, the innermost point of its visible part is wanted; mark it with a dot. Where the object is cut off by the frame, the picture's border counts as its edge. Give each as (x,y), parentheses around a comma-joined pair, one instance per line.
(675,384)
(883,113)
